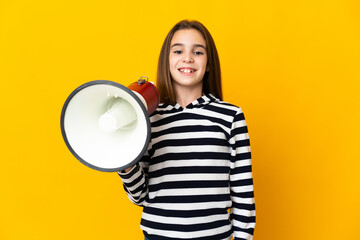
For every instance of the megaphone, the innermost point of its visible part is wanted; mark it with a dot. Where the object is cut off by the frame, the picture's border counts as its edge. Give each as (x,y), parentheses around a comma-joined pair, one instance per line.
(106,125)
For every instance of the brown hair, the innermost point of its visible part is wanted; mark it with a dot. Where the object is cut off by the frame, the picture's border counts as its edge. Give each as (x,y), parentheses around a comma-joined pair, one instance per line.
(212,78)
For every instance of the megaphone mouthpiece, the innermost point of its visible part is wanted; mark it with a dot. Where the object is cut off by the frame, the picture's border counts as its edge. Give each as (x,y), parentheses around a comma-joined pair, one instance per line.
(119,114)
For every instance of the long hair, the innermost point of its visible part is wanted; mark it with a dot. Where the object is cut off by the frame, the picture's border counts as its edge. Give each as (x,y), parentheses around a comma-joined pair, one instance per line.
(212,77)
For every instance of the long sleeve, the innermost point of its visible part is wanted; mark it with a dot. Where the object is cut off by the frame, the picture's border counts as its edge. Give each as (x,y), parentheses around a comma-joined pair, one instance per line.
(135,181)
(241,182)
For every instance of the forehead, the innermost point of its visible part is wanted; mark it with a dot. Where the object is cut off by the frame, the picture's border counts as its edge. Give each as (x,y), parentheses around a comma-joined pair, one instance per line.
(188,37)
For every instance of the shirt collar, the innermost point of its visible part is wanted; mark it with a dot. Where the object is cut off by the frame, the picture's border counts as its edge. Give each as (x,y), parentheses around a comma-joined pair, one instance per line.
(198,103)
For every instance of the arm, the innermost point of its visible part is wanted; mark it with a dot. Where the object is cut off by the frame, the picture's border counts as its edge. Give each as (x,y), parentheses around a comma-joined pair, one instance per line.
(241,183)
(135,181)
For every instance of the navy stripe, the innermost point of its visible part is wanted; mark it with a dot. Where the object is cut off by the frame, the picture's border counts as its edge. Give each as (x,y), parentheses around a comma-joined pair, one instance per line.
(192,199)
(212,237)
(183,227)
(243,169)
(189,170)
(243,218)
(247,230)
(131,174)
(221,110)
(185,213)
(191,142)
(133,183)
(136,190)
(190,156)
(239,130)
(242,182)
(242,194)
(190,116)
(188,184)
(243,156)
(193,129)
(250,207)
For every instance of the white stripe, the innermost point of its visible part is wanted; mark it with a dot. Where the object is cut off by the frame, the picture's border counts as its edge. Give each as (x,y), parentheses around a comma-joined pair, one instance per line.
(188,122)
(243,235)
(188,135)
(238,124)
(242,212)
(136,185)
(191,163)
(143,164)
(167,108)
(243,200)
(206,98)
(189,192)
(241,136)
(135,199)
(248,188)
(205,112)
(188,177)
(130,180)
(241,176)
(185,221)
(241,163)
(244,149)
(243,225)
(190,206)
(189,149)
(229,107)
(187,235)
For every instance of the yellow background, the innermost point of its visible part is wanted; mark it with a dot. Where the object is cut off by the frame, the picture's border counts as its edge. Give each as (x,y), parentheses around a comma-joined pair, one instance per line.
(293,66)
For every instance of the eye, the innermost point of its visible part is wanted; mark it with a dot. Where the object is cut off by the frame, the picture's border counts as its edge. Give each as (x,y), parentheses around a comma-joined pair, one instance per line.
(198,53)
(177,52)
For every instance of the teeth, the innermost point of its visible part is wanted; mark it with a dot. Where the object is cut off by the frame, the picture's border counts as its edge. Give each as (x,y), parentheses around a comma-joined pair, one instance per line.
(186,70)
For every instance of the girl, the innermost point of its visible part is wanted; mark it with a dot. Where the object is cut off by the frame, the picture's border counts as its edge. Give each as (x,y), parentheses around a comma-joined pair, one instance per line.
(198,163)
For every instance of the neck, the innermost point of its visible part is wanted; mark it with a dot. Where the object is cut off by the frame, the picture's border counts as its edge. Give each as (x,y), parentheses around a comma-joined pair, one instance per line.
(185,96)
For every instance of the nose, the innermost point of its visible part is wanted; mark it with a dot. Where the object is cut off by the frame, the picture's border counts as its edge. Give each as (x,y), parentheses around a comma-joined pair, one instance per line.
(187,58)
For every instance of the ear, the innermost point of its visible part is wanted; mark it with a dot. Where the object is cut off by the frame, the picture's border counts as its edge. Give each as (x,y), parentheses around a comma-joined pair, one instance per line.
(207,68)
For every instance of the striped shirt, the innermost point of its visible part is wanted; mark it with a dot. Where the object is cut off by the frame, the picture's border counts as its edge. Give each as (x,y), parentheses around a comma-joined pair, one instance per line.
(195,180)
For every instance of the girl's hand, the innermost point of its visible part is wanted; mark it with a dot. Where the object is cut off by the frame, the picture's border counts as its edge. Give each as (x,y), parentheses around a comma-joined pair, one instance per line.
(128,169)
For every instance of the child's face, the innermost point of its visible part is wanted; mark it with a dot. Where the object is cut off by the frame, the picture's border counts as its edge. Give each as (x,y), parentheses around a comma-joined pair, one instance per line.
(188,58)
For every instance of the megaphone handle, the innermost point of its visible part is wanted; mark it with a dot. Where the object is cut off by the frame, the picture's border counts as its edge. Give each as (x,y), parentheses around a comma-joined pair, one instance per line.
(142,80)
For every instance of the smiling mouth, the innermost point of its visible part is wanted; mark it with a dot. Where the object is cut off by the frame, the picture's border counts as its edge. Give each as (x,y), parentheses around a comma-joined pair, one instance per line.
(187,70)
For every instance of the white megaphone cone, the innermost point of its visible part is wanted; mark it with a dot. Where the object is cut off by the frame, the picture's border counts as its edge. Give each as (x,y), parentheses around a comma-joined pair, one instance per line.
(106,126)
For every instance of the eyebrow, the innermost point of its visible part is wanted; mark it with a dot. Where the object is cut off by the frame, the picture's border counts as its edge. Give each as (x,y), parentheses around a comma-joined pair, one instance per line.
(195,45)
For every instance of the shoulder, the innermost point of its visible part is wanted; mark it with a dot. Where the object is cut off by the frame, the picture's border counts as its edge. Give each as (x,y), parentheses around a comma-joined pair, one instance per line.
(164,108)
(226,108)
(163,114)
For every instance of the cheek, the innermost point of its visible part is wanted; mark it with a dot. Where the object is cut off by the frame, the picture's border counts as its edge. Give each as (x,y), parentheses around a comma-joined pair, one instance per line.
(172,63)
(171,60)
(205,62)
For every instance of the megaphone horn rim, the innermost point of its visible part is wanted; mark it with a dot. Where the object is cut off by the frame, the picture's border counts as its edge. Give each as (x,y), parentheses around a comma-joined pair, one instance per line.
(127,90)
